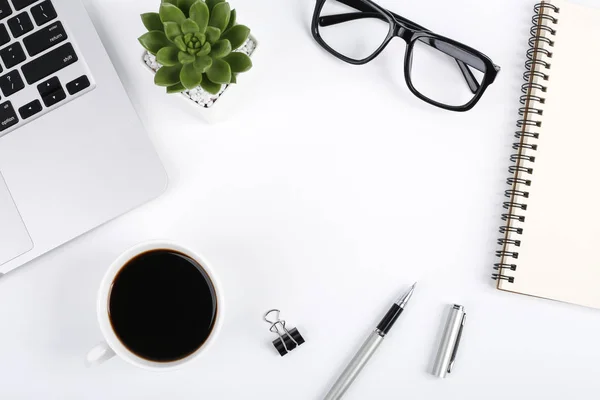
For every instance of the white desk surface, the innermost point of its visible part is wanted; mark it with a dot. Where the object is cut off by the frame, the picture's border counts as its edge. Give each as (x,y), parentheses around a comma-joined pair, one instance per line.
(327,195)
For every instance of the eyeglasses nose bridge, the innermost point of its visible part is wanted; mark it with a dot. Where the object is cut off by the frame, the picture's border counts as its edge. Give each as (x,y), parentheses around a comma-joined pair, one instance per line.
(404,33)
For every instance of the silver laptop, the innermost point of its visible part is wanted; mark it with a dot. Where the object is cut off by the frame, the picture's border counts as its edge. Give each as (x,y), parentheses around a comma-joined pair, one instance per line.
(73,154)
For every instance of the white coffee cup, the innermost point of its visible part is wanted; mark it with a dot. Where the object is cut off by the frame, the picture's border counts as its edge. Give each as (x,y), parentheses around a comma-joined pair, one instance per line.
(112,345)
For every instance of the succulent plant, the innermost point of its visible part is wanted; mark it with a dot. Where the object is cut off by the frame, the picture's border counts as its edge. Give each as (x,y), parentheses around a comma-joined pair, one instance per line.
(195,41)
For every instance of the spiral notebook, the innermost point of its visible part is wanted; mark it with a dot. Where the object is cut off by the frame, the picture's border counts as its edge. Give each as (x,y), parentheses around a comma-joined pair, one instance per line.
(550,244)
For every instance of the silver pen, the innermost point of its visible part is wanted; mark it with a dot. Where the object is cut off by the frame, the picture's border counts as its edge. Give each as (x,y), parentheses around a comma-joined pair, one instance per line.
(369,347)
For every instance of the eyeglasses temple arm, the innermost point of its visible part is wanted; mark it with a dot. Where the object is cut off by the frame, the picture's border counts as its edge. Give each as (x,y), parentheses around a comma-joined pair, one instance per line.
(359,5)
(329,20)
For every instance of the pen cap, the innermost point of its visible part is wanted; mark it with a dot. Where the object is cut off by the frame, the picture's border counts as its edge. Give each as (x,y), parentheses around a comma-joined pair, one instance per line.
(446,355)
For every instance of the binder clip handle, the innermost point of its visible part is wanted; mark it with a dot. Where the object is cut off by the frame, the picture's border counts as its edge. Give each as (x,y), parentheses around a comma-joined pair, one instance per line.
(287,340)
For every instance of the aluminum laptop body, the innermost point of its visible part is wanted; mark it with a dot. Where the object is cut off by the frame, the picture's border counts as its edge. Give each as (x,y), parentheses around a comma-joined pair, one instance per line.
(73,154)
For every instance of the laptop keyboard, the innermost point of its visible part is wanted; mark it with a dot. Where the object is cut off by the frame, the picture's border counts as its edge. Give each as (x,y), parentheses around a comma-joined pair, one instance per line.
(40,68)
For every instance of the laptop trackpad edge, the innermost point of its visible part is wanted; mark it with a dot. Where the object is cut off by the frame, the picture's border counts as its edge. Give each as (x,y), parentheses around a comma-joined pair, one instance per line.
(14,238)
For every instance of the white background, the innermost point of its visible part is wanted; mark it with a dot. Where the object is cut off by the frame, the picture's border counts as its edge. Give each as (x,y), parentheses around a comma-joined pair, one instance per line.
(326,195)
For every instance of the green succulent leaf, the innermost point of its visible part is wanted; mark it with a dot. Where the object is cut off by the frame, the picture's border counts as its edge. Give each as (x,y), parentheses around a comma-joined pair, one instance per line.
(152,22)
(190,77)
(194,41)
(237,35)
(212,3)
(176,88)
(219,71)
(203,63)
(178,41)
(185,5)
(239,62)
(232,20)
(200,15)
(204,50)
(167,56)
(167,76)
(172,30)
(153,41)
(212,34)
(189,26)
(221,48)
(219,16)
(185,58)
(170,13)
(209,86)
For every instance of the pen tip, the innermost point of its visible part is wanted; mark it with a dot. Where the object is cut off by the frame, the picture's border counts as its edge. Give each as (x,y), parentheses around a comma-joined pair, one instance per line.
(403,300)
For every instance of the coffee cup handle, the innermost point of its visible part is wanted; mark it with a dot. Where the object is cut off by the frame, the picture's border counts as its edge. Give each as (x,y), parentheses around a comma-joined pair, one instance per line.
(99,354)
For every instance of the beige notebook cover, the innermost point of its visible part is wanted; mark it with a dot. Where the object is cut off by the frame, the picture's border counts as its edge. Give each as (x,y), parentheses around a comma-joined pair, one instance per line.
(551,235)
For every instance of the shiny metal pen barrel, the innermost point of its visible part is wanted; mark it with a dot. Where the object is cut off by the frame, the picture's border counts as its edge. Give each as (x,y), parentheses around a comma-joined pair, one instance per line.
(356,365)
(368,348)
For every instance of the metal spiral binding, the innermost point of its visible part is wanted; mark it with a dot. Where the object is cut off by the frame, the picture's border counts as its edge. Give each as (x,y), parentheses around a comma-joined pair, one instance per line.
(538,66)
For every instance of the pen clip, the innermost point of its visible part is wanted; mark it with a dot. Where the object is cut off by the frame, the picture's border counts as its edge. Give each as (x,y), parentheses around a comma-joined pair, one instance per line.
(455,349)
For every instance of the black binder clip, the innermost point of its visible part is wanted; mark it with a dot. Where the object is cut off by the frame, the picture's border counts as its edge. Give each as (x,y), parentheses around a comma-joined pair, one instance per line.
(288,340)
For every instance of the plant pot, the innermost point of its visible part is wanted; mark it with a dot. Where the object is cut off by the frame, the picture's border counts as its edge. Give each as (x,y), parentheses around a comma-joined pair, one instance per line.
(212,107)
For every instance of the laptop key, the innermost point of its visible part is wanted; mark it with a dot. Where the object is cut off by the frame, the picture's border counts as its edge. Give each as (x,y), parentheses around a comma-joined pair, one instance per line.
(8,117)
(30,109)
(45,38)
(49,63)
(5,9)
(12,55)
(11,83)
(43,12)
(4,36)
(49,86)
(78,85)
(55,97)
(21,4)
(20,24)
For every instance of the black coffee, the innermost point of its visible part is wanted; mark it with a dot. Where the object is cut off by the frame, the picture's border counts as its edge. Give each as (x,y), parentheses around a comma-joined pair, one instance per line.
(162,305)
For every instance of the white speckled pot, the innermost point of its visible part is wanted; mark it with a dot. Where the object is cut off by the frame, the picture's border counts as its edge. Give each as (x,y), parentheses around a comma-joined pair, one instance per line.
(212,107)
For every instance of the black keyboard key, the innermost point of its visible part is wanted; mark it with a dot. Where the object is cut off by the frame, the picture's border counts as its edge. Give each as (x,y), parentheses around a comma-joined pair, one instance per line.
(20,24)
(8,117)
(4,36)
(54,97)
(49,86)
(43,12)
(11,83)
(45,38)
(30,109)
(12,55)
(21,4)
(5,9)
(78,85)
(49,63)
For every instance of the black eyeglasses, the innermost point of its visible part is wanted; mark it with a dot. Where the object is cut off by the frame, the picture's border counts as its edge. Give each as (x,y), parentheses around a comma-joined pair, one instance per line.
(438,70)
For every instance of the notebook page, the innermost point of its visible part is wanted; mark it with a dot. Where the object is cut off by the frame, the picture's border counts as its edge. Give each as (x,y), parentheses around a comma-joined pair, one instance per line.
(559,257)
